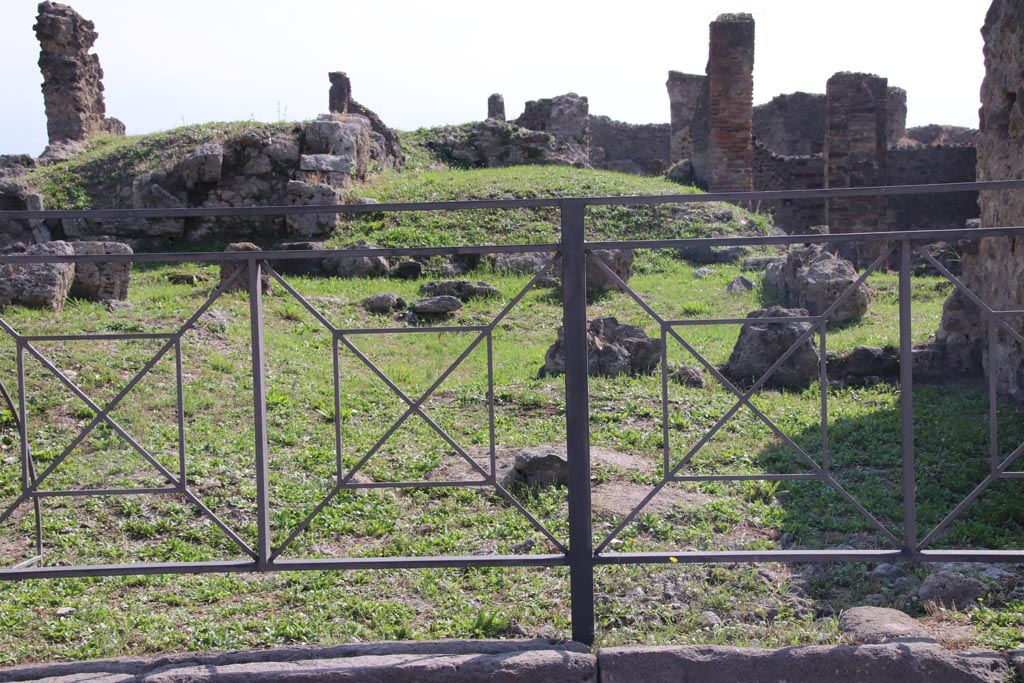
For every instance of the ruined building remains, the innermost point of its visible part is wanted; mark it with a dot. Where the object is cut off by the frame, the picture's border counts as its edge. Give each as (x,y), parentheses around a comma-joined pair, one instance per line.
(730,100)
(853,135)
(855,153)
(993,268)
(72,77)
(386,149)
(496,107)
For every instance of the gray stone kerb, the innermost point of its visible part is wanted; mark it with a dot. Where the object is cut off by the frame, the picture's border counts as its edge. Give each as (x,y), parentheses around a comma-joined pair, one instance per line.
(552,661)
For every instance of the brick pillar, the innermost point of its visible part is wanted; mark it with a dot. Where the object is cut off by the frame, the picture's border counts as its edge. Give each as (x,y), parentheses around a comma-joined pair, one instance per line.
(496,107)
(855,154)
(684,92)
(731,103)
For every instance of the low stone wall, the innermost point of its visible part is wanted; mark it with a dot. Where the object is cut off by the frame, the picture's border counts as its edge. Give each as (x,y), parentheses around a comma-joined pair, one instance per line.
(630,148)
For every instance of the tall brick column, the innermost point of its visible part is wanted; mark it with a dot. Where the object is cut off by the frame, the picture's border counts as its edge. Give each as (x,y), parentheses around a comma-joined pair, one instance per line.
(731,103)
(855,153)
(684,92)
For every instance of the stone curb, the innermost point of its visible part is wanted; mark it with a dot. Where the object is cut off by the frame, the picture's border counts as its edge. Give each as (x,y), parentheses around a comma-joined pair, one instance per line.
(389,662)
(905,661)
(524,661)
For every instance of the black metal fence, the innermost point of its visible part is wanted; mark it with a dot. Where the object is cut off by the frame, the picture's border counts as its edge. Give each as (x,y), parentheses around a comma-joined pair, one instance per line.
(581,554)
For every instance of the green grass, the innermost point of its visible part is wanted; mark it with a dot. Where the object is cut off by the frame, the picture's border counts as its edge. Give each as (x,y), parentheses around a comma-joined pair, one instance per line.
(496,226)
(158,614)
(766,605)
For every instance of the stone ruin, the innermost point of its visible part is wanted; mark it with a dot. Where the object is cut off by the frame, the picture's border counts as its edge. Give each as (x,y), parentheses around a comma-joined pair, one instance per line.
(993,267)
(386,148)
(853,134)
(72,78)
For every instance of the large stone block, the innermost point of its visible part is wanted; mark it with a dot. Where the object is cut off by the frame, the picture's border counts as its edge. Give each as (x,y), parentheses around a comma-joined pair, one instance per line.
(311,224)
(203,166)
(38,285)
(101,281)
(761,344)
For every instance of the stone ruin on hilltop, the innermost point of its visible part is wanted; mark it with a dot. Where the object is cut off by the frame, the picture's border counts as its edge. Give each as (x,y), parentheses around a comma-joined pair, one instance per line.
(72,79)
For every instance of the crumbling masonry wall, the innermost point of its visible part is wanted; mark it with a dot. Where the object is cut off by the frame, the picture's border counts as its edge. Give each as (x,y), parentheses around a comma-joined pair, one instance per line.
(72,77)
(792,124)
(995,269)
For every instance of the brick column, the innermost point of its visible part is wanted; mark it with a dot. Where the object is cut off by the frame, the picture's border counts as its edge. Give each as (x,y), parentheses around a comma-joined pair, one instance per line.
(730,103)
(855,153)
(684,92)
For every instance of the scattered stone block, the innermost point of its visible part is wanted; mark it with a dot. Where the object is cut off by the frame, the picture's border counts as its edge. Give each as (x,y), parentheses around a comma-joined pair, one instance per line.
(460,289)
(407,270)
(688,376)
(739,285)
(814,278)
(38,285)
(761,344)
(613,349)
(383,302)
(99,281)
(878,625)
(542,466)
(357,266)
(951,589)
(241,283)
(436,305)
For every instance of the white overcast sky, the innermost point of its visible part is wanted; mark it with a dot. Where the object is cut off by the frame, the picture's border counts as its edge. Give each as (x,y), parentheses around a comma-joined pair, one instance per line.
(422,63)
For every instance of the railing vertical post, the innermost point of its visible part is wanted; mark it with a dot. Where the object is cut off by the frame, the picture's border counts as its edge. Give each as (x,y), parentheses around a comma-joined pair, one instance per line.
(907,404)
(259,405)
(577,420)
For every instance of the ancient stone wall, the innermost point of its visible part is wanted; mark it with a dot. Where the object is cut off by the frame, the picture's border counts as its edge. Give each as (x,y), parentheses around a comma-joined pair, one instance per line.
(730,103)
(995,269)
(791,125)
(565,116)
(776,172)
(386,150)
(855,154)
(684,93)
(925,166)
(72,77)
(700,129)
(629,148)
(895,116)
(934,134)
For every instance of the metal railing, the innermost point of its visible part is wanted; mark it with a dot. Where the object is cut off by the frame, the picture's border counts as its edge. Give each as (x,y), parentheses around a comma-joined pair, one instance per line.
(580,553)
